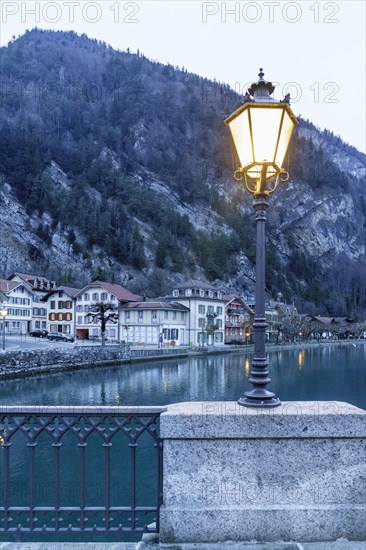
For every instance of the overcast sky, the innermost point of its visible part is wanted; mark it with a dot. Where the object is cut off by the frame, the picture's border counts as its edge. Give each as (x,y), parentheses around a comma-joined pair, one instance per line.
(314,50)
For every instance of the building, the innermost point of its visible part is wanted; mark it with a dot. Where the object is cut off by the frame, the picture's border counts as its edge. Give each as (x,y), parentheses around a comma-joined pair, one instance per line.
(38,286)
(99,291)
(17,300)
(238,320)
(273,318)
(154,323)
(206,318)
(61,309)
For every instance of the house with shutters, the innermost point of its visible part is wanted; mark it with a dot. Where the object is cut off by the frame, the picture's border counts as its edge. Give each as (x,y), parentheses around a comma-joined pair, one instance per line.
(154,323)
(238,320)
(100,291)
(206,318)
(17,299)
(61,309)
(38,287)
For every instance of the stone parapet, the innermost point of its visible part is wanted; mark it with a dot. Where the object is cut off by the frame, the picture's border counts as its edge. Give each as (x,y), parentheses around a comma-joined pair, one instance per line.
(293,473)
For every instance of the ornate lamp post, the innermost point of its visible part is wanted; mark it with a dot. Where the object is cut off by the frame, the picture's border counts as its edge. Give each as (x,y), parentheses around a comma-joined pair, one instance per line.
(261,129)
(3,315)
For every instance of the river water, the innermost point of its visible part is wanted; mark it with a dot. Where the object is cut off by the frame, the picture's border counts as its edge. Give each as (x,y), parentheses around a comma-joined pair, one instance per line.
(325,372)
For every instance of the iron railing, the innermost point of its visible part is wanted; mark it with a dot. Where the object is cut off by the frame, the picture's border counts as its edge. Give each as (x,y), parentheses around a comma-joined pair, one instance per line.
(80,469)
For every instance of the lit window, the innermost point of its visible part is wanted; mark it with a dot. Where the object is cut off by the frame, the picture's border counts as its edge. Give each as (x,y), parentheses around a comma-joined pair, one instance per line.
(189,292)
(175,293)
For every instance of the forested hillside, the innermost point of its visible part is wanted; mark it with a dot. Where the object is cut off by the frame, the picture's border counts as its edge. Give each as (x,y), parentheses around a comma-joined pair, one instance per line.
(116,167)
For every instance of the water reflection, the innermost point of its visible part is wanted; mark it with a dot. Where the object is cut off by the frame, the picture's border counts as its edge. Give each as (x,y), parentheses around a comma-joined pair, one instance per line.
(319,373)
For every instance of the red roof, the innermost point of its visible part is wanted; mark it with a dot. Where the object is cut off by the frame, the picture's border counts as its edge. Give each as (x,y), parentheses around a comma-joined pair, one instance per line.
(117,290)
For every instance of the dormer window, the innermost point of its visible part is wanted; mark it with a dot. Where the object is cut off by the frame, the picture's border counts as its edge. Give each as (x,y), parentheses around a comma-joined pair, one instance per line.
(219,295)
(175,293)
(210,294)
(202,293)
(189,292)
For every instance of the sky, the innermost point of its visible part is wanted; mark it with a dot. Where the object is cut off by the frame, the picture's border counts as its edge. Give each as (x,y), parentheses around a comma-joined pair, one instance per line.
(313,50)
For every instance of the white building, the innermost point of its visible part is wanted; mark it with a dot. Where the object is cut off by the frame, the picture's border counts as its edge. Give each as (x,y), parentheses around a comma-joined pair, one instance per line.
(38,286)
(61,309)
(17,300)
(154,323)
(206,318)
(99,291)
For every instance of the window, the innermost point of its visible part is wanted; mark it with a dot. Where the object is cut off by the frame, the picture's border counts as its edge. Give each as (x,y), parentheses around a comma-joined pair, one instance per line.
(140,316)
(95,296)
(219,310)
(86,308)
(104,296)
(127,315)
(188,292)
(166,315)
(201,322)
(68,316)
(201,309)
(80,320)
(112,298)
(210,310)
(60,316)
(79,308)
(219,295)
(174,315)
(154,317)
(68,304)
(52,317)
(60,294)
(175,293)
(182,315)
(202,293)
(86,296)
(210,294)
(53,304)
(170,334)
(219,323)
(60,305)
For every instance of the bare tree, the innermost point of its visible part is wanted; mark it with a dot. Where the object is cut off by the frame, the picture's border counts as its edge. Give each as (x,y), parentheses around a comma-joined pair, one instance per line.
(103,312)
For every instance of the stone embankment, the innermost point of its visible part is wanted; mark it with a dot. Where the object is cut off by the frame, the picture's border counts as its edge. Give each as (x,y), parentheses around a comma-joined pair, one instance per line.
(21,363)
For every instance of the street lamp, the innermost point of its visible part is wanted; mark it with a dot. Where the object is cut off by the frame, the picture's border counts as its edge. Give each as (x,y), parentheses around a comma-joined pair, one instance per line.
(261,130)
(3,315)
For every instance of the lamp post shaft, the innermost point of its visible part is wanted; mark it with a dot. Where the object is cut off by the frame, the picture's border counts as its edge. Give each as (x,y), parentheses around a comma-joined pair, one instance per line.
(259,375)
(3,333)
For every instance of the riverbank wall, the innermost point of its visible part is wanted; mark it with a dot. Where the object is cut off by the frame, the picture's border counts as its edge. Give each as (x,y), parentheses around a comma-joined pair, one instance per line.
(22,363)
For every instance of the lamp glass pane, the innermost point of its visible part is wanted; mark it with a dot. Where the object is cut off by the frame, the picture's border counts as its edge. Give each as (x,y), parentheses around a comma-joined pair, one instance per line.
(287,128)
(265,128)
(239,128)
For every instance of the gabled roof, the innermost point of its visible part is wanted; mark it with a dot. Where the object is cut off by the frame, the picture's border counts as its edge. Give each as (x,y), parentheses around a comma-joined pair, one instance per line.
(7,286)
(229,298)
(70,291)
(118,291)
(35,282)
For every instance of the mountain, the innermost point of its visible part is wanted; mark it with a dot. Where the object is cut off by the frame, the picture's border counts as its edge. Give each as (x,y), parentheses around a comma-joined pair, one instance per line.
(113,166)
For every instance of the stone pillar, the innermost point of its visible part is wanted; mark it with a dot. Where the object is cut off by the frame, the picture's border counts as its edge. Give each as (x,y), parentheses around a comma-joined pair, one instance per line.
(295,472)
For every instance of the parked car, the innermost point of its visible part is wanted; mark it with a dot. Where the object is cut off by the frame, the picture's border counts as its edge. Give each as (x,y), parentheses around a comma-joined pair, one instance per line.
(59,336)
(39,333)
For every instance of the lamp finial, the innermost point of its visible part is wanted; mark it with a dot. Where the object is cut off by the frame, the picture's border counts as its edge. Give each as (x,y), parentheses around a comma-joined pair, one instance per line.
(261,74)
